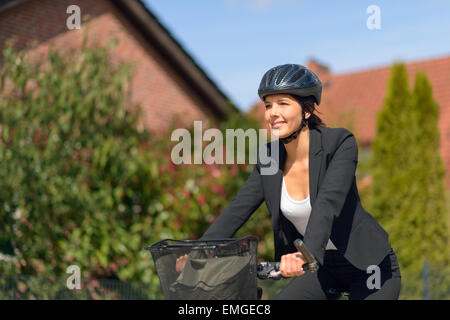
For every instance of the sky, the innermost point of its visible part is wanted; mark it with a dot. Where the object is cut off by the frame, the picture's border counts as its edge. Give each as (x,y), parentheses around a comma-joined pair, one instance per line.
(236,41)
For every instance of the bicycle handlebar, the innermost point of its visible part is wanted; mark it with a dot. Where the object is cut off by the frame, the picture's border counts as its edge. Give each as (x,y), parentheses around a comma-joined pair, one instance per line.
(268,270)
(271,270)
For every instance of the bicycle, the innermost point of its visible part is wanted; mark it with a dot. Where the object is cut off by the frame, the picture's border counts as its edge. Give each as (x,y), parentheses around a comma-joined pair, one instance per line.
(218,269)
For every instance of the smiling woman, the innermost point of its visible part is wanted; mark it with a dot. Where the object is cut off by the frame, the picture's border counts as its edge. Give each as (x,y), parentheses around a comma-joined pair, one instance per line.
(289,92)
(313,196)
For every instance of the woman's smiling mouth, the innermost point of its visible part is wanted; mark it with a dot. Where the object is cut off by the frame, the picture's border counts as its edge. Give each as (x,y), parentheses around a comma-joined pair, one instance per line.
(276,125)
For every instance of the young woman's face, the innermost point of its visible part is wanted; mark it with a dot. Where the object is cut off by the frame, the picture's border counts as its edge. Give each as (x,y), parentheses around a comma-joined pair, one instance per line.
(284,113)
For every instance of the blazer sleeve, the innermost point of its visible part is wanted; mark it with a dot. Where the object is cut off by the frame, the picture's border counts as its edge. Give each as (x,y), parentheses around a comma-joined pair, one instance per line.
(331,196)
(247,200)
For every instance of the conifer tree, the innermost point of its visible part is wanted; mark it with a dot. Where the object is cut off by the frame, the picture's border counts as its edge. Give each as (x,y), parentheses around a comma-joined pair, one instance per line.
(408,190)
(429,176)
(394,134)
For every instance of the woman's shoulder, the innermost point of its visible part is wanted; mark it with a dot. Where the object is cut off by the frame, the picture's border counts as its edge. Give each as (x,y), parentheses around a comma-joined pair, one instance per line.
(334,131)
(332,138)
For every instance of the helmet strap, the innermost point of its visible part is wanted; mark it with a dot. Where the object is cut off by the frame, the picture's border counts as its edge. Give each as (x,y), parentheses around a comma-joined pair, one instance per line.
(295,134)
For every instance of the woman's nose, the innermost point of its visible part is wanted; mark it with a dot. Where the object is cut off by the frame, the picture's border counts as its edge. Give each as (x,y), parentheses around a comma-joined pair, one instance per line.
(274,111)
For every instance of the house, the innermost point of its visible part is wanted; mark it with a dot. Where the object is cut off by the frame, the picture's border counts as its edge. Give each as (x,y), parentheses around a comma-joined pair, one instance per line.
(167,81)
(352,100)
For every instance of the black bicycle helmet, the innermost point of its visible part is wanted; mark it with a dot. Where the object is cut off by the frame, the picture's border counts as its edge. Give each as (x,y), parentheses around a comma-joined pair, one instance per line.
(291,79)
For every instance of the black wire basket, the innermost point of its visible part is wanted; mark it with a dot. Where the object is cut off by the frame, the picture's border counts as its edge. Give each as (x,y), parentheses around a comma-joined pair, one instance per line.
(221,269)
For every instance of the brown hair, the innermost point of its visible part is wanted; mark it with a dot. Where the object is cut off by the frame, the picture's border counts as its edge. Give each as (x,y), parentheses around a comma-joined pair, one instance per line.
(308,105)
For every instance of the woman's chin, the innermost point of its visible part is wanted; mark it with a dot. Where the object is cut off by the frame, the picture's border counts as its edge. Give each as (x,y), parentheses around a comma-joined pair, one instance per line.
(280,133)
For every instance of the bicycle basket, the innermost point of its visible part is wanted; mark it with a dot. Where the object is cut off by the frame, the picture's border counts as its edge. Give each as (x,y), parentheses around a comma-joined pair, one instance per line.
(214,270)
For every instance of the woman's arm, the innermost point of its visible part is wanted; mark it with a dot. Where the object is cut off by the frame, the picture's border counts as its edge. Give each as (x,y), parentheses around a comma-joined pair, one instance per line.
(331,196)
(247,200)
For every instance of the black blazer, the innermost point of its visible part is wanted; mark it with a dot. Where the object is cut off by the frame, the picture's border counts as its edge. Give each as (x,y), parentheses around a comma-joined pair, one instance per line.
(337,213)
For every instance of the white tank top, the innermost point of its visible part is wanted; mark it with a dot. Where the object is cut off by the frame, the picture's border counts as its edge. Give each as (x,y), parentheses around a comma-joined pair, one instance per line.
(298,212)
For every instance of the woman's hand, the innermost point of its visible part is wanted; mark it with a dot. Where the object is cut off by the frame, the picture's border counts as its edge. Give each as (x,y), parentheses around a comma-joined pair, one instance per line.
(181,261)
(291,265)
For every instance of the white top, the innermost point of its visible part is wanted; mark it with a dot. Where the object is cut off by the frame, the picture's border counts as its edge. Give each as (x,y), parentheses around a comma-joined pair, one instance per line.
(298,212)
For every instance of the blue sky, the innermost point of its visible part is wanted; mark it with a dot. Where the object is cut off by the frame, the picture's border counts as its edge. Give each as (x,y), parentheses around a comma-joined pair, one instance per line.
(236,41)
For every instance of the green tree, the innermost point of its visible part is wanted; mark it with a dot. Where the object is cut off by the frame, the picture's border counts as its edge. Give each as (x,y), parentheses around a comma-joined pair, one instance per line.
(430,174)
(83,183)
(408,191)
(390,158)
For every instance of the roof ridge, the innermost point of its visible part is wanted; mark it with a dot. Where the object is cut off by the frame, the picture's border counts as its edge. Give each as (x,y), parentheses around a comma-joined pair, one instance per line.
(388,66)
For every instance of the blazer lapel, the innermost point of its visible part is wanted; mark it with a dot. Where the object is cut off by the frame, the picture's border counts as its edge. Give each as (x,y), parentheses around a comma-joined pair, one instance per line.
(315,164)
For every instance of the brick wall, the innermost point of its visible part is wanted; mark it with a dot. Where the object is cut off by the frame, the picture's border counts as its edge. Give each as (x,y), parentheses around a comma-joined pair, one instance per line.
(159,90)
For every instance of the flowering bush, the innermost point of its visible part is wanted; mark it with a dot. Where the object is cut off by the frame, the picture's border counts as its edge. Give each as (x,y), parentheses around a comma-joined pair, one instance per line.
(83,184)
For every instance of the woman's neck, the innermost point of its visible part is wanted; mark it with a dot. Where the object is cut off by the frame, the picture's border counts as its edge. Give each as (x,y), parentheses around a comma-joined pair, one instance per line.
(298,149)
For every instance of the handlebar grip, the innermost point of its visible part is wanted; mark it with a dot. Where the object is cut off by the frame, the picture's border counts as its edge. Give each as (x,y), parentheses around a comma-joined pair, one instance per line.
(271,270)
(311,264)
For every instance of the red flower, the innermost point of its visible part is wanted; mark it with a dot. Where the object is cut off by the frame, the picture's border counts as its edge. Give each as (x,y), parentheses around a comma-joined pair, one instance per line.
(170,167)
(113,266)
(233,171)
(216,173)
(186,193)
(201,199)
(218,190)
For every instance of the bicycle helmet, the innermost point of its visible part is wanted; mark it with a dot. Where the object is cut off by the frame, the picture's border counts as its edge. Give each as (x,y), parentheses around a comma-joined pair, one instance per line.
(291,79)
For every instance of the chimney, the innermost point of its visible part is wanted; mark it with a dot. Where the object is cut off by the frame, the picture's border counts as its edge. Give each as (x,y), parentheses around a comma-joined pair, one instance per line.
(322,71)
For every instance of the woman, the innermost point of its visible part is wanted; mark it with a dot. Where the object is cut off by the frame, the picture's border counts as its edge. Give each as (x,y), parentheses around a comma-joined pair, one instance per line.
(314,197)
